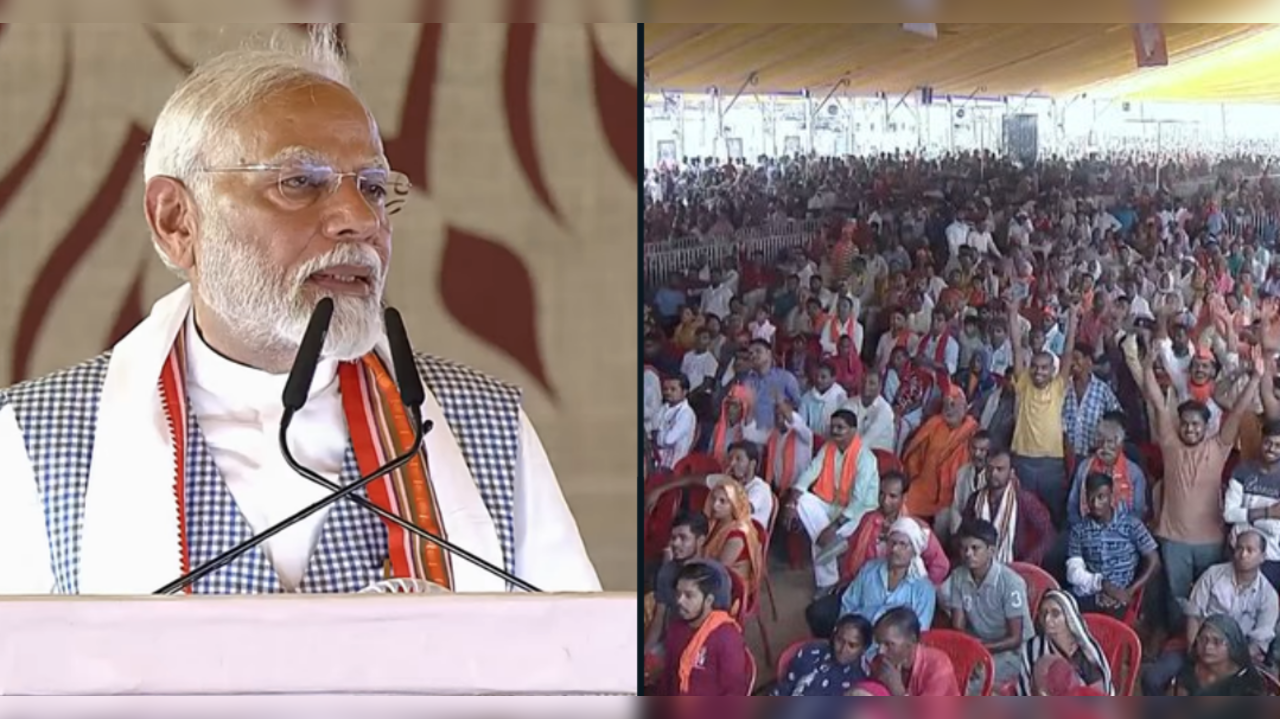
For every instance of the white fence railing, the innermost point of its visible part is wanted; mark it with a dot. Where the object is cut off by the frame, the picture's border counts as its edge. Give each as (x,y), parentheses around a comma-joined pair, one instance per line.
(661,259)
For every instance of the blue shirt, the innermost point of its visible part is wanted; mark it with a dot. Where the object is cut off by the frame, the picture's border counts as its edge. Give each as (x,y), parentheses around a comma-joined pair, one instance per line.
(668,301)
(815,673)
(765,386)
(869,595)
(1113,549)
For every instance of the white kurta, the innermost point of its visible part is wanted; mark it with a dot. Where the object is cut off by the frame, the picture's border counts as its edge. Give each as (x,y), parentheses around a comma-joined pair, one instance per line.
(127,518)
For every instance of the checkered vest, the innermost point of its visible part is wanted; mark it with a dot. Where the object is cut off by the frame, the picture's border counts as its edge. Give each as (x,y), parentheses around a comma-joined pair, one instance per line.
(58,416)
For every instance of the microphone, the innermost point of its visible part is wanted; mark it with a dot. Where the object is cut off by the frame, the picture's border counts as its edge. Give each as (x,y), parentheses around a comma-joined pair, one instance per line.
(235,552)
(298,385)
(412,394)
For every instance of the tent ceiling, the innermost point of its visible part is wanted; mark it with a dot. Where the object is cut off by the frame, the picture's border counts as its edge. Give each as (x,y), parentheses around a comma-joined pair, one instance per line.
(991,59)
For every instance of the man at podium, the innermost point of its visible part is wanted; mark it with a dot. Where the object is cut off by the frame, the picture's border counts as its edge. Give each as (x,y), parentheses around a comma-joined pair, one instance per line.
(267,189)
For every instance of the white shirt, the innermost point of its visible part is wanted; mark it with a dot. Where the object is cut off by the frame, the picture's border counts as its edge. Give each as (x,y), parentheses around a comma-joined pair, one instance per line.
(759,496)
(676,427)
(817,407)
(652,400)
(875,423)
(698,366)
(239,412)
(715,300)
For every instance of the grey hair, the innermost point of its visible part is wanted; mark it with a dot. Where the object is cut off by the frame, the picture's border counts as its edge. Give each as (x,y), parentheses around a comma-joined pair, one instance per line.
(193,127)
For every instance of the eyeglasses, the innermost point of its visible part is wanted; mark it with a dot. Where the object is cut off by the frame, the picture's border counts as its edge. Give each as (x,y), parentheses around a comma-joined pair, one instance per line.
(301,185)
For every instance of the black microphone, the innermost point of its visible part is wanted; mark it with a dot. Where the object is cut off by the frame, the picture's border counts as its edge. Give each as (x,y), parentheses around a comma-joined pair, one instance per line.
(412,394)
(298,385)
(235,552)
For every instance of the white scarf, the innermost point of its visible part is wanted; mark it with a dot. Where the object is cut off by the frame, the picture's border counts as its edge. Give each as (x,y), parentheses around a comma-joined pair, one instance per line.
(1006,520)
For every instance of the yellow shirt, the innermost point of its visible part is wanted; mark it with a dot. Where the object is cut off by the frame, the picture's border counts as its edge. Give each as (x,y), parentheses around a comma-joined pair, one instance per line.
(1038,429)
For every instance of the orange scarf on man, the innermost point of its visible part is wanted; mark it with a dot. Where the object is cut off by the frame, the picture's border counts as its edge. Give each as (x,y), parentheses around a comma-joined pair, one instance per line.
(1122,483)
(723,436)
(788,448)
(689,658)
(932,460)
(826,488)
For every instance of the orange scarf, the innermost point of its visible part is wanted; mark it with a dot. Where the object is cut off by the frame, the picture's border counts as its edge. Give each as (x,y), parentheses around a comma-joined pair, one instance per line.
(1202,393)
(783,483)
(693,651)
(1120,479)
(381,429)
(826,487)
(721,439)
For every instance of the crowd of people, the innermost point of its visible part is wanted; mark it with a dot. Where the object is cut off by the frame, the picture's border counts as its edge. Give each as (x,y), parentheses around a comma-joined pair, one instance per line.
(1023,410)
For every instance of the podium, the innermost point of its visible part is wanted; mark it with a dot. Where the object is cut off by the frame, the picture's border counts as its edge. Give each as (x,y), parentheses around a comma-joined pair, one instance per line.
(353,647)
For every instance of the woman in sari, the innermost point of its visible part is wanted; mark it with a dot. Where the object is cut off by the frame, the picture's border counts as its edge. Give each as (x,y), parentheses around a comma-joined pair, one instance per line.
(1061,632)
(1223,664)
(734,540)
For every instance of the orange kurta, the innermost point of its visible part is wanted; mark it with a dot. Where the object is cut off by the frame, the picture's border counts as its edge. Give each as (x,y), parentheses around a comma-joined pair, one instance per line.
(932,460)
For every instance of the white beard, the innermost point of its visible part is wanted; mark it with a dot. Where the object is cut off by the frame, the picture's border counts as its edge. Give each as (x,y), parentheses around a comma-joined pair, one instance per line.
(269,310)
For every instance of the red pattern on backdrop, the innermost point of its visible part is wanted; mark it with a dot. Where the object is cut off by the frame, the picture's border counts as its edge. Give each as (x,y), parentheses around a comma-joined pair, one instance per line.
(474,272)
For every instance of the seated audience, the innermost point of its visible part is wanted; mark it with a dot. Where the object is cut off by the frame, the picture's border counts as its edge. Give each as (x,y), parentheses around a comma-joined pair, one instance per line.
(1022,522)
(789,450)
(828,500)
(688,537)
(1237,590)
(935,454)
(1128,480)
(871,539)
(875,416)
(971,478)
(822,400)
(736,423)
(898,580)
(988,600)
(741,465)
(1111,556)
(1222,664)
(830,668)
(734,540)
(906,667)
(676,422)
(704,652)
(1253,499)
(1061,631)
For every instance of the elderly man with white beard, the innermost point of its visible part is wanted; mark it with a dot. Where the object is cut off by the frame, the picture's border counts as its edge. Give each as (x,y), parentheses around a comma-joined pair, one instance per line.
(267,189)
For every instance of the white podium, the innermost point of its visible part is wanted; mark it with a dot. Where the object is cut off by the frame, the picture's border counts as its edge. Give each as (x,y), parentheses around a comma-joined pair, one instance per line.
(358,647)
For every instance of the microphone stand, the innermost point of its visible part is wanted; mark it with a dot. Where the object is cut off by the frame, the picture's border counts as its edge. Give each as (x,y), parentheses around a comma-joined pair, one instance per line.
(403,524)
(235,552)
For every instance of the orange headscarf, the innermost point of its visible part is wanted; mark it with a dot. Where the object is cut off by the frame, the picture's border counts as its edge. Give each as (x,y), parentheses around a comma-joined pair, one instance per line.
(748,564)
(721,439)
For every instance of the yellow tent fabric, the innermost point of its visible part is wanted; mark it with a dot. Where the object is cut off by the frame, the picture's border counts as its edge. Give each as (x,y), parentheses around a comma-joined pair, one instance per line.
(991,59)
(1244,72)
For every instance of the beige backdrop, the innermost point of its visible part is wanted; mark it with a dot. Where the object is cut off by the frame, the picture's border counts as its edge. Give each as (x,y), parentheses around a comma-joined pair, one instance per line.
(515,254)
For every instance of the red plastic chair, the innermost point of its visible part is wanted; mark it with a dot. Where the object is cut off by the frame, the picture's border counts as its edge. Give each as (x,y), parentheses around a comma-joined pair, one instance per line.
(697,463)
(967,655)
(763,583)
(657,526)
(1134,610)
(1038,582)
(789,655)
(1122,648)
(887,461)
